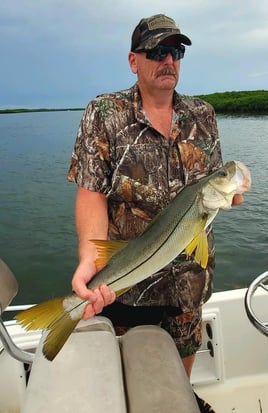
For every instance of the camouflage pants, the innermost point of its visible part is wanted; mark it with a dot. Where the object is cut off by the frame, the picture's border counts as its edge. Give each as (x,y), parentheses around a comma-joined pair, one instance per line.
(186,331)
(184,328)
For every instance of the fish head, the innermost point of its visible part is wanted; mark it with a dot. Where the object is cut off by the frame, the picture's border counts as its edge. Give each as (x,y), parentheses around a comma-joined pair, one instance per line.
(233,178)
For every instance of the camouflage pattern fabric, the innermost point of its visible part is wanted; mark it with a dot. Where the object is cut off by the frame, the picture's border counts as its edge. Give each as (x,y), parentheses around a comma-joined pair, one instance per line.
(185,329)
(119,153)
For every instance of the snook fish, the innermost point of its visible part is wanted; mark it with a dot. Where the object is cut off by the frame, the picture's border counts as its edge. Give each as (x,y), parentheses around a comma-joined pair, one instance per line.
(179,227)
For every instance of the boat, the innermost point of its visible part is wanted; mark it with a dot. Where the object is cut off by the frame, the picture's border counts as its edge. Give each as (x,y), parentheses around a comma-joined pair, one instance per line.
(96,371)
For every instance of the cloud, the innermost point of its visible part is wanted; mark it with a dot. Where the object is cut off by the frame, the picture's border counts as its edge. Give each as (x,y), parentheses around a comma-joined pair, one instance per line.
(64,52)
(259,74)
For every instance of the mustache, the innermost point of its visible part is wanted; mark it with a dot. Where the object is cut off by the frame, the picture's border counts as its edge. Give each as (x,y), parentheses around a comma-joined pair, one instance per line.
(166,71)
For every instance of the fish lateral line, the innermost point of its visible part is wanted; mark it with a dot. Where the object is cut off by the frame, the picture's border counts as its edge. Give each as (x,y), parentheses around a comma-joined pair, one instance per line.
(159,215)
(151,256)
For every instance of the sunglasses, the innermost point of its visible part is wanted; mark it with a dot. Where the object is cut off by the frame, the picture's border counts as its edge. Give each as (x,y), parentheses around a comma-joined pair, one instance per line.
(161,51)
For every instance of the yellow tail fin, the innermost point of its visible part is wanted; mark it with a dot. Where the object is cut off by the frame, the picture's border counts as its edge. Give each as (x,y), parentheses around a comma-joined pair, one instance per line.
(41,315)
(59,332)
(59,315)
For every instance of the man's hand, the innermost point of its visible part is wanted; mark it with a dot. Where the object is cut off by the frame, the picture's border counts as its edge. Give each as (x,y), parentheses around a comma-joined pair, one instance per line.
(98,298)
(238,199)
(91,223)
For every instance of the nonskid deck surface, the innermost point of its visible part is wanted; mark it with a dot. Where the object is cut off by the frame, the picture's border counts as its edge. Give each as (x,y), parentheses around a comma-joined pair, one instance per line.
(239,395)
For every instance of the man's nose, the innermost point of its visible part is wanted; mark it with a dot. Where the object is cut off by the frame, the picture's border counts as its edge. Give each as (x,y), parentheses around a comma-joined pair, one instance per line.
(169,58)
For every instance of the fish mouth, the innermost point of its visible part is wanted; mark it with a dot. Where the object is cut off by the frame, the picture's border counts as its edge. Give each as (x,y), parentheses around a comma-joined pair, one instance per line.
(242,178)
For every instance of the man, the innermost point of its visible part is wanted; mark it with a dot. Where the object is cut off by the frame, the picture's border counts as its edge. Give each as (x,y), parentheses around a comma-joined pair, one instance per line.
(135,150)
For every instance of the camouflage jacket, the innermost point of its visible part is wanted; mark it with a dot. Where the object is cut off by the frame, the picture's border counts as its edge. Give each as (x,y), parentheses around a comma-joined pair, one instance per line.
(119,153)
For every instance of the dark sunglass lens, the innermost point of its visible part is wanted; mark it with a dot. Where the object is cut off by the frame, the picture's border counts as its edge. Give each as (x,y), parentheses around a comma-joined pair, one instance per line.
(178,52)
(160,52)
(155,54)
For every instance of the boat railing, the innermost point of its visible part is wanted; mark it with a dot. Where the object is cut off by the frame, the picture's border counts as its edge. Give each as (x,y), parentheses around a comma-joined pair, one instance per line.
(259,282)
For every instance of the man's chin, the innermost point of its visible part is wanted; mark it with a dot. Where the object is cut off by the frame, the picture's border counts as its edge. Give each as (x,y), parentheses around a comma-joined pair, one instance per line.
(167,81)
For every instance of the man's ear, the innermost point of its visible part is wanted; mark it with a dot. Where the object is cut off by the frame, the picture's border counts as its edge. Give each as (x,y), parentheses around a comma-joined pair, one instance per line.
(132,59)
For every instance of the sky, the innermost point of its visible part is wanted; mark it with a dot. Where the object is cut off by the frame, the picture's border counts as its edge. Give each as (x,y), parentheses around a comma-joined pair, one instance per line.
(62,53)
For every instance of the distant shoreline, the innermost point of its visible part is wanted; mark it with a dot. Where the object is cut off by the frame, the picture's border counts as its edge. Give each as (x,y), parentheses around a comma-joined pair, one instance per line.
(253,102)
(27,110)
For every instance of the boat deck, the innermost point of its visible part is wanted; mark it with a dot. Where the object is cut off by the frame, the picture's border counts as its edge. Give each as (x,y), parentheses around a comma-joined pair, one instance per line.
(236,378)
(239,395)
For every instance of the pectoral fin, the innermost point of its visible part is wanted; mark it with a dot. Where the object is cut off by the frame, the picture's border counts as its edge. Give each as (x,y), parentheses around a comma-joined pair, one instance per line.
(199,245)
(106,249)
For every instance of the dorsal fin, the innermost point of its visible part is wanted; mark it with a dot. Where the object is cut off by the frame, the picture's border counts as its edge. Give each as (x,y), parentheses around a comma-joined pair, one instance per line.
(106,249)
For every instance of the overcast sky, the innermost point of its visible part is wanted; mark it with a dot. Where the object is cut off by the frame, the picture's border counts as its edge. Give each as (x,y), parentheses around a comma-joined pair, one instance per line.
(61,53)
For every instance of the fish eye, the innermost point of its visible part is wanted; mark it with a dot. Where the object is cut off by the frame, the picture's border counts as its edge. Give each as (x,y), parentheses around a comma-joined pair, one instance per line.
(223,173)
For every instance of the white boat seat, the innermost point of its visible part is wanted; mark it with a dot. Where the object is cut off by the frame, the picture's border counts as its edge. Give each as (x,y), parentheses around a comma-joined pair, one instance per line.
(86,375)
(9,286)
(155,379)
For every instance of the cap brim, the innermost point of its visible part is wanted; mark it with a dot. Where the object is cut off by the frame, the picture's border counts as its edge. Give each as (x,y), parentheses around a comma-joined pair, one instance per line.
(153,41)
(181,38)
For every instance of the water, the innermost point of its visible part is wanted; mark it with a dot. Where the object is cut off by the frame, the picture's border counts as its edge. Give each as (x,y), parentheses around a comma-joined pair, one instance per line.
(38,238)
(242,233)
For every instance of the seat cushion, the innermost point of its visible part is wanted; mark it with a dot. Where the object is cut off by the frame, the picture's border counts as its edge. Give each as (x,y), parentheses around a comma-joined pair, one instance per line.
(155,377)
(85,377)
